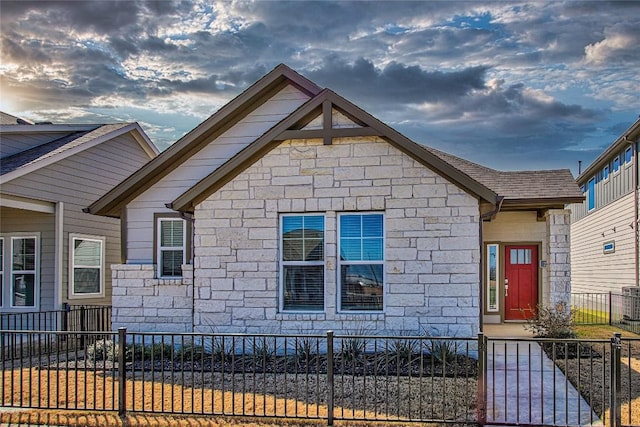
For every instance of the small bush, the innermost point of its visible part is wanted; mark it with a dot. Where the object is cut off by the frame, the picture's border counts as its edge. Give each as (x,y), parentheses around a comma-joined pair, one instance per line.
(553,322)
(441,349)
(403,347)
(102,350)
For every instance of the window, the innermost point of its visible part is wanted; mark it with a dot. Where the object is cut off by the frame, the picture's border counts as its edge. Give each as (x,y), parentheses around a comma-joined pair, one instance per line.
(361,261)
(591,194)
(628,154)
(520,256)
(171,243)
(86,275)
(616,164)
(609,247)
(24,263)
(302,262)
(605,173)
(492,277)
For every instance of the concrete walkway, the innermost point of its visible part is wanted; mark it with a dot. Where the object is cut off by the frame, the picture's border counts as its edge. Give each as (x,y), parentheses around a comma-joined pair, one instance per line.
(525,387)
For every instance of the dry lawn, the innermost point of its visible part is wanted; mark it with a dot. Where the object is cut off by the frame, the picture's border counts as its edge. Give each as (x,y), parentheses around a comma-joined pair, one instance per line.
(594,374)
(355,398)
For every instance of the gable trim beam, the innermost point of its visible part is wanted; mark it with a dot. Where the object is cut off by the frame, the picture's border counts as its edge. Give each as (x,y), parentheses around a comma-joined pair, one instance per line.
(214,181)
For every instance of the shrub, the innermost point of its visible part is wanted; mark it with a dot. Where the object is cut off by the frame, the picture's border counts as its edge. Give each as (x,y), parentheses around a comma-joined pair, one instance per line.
(441,349)
(553,322)
(103,349)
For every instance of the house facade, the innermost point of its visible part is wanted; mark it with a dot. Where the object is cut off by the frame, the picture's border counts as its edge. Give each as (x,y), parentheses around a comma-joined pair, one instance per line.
(293,210)
(51,252)
(604,231)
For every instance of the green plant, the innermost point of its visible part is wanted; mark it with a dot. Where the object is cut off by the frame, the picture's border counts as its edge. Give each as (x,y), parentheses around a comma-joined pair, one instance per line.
(403,346)
(440,348)
(354,345)
(102,349)
(263,348)
(554,321)
(158,351)
(305,349)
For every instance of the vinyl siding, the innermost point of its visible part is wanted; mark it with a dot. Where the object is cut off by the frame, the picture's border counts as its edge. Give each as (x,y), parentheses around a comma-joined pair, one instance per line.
(591,269)
(140,227)
(78,181)
(608,190)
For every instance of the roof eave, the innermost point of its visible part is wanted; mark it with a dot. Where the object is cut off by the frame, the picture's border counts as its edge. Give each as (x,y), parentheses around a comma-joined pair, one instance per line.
(627,137)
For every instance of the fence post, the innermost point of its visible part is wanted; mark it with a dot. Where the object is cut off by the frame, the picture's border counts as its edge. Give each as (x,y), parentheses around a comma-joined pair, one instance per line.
(615,409)
(330,378)
(482,376)
(122,372)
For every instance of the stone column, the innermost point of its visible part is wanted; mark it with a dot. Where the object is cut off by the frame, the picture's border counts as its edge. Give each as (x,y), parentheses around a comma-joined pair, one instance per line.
(558,270)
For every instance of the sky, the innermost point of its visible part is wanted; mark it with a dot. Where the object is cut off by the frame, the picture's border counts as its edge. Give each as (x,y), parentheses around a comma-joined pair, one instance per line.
(510,85)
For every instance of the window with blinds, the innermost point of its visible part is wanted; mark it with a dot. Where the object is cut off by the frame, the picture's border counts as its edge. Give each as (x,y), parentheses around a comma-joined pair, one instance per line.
(24,260)
(361,261)
(302,262)
(171,241)
(87,266)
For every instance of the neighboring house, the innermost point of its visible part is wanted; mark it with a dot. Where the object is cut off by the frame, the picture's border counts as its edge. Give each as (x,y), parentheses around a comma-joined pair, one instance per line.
(604,229)
(51,252)
(291,209)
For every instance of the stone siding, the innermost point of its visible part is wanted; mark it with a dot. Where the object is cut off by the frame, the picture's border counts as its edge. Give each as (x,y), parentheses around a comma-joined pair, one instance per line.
(143,303)
(431,254)
(558,269)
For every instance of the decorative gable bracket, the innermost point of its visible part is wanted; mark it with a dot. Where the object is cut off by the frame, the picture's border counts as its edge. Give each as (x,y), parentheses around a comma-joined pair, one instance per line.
(324,126)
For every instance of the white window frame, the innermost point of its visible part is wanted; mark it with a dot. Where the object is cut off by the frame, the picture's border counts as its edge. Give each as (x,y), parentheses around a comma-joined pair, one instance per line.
(36,272)
(613,162)
(491,309)
(72,266)
(605,175)
(367,262)
(629,149)
(161,248)
(283,263)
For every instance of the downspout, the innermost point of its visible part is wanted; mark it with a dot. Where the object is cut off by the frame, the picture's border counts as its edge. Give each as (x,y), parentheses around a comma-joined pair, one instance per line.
(499,200)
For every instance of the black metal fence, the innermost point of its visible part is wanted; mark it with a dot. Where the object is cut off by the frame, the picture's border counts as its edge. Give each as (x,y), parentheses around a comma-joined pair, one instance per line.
(622,311)
(562,382)
(351,377)
(71,318)
(333,377)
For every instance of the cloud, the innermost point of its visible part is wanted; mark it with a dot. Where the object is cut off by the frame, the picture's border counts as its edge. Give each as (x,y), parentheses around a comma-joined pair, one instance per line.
(620,45)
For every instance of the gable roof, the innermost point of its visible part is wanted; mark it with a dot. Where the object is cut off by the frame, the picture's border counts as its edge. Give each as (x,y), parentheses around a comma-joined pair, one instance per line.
(230,114)
(539,188)
(10,119)
(72,139)
(626,138)
(290,128)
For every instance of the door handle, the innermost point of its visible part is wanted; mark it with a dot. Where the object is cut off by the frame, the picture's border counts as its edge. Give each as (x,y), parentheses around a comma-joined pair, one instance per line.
(506,287)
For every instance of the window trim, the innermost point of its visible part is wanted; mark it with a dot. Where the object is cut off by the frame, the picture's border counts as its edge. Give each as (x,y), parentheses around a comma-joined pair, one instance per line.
(591,194)
(629,150)
(36,272)
(282,263)
(340,263)
(495,309)
(71,288)
(616,160)
(605,173)
(158,248)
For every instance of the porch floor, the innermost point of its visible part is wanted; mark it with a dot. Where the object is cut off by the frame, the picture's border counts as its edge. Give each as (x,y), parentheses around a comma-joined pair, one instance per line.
(506,330)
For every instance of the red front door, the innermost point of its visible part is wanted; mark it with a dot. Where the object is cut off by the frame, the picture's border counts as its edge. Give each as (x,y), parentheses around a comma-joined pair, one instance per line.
(521,282)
